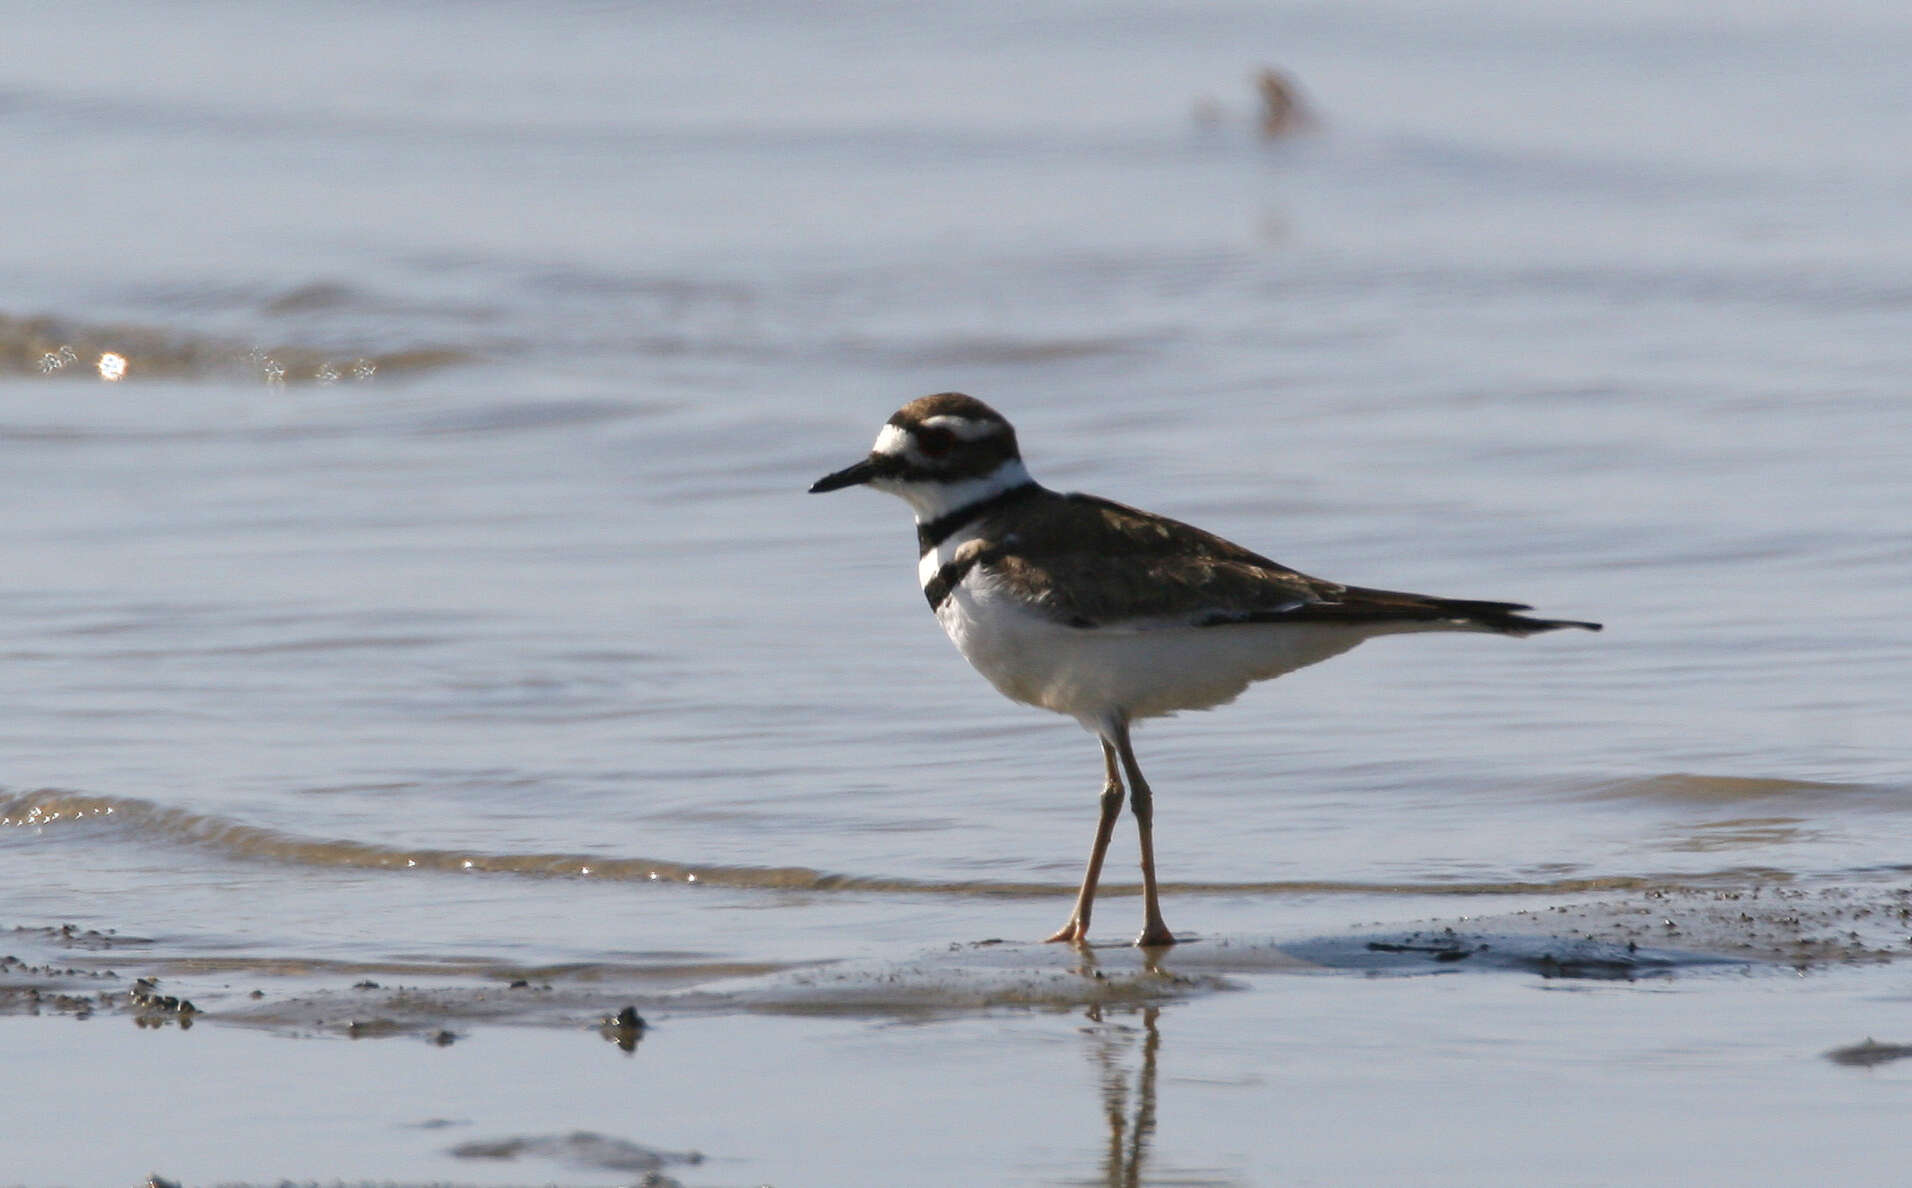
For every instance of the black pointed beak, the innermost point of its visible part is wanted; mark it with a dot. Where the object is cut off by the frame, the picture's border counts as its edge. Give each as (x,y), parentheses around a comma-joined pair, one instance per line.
(873,467)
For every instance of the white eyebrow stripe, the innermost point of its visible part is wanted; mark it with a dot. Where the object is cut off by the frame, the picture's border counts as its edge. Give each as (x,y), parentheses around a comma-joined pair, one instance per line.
(967,428)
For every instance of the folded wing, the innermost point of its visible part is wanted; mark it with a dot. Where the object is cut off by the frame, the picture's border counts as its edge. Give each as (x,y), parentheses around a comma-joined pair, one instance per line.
(1095,564)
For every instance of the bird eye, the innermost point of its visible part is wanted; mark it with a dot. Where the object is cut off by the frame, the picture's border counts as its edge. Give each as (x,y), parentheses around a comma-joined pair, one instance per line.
(934,442)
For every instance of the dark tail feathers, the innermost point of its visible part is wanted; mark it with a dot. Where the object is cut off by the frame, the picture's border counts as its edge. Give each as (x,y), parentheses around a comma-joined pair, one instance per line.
(1504,617)
(1359,605)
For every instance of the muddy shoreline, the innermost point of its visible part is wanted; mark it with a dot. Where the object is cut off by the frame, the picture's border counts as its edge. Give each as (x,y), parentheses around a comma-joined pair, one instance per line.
(83,973)
(624,1039)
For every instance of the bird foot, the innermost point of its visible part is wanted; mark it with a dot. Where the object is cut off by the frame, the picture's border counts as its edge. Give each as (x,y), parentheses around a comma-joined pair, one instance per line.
(1075,932)
(1155,935)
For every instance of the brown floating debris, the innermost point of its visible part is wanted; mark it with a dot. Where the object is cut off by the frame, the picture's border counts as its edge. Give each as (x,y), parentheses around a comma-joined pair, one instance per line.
(580,1148)
(1283,113)
(1869,1053)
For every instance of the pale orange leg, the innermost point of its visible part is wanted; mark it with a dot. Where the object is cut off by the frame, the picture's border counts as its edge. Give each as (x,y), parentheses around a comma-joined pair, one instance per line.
(1077,929)
(1142,802)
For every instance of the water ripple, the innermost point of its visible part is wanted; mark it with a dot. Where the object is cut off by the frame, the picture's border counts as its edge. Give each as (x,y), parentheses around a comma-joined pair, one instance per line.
(51,809)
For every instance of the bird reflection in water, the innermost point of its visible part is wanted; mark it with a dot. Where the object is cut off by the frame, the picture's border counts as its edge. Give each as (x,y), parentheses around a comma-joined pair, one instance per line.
(1126,1044)
(1129,1134)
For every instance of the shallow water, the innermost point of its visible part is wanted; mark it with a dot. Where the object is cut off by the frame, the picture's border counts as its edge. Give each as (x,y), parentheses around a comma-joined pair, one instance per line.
(438,585)
(1435,1080)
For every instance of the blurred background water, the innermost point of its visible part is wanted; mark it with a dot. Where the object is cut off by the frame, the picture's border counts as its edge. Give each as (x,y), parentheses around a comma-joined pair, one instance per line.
(446,537)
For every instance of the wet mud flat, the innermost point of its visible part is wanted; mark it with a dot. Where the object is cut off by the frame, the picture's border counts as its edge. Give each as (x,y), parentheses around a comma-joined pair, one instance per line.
(1655,934)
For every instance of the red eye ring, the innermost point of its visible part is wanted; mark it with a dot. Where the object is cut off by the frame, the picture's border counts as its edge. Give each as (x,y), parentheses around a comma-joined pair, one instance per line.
(935,442)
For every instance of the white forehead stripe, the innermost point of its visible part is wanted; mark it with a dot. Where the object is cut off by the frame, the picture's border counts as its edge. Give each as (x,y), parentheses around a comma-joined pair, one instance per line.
(967,428)
(891,441)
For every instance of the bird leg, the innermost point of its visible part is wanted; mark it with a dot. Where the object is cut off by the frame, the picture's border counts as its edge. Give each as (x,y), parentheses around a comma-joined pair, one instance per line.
(1077,929)
(1142,802)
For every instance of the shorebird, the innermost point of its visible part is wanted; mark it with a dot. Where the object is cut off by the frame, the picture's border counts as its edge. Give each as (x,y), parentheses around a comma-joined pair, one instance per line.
(1109,614)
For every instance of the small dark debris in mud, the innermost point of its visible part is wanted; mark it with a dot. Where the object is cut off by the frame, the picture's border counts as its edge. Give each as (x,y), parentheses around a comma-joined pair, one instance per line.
(65,938)
(1548,956)
(156,1180)
(29,989)
(153,1007)
(624,1028)
(421,1011)
(35,1000)
(1450,950)
(367,984)
(444,1038)
(72,936)
(580,1148)
(1869,1053)
(1801,927)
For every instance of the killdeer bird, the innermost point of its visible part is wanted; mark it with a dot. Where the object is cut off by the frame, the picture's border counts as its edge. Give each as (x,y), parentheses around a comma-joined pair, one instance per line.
(1109,614)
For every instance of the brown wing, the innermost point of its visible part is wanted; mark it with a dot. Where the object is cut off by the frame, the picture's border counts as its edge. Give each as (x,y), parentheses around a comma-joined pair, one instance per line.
(1094,563)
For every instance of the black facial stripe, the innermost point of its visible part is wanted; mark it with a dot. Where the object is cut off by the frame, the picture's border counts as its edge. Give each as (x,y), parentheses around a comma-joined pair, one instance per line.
(965,459)
(938,530)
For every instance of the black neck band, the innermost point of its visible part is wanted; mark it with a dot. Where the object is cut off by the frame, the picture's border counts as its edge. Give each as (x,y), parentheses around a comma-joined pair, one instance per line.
(938,530)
